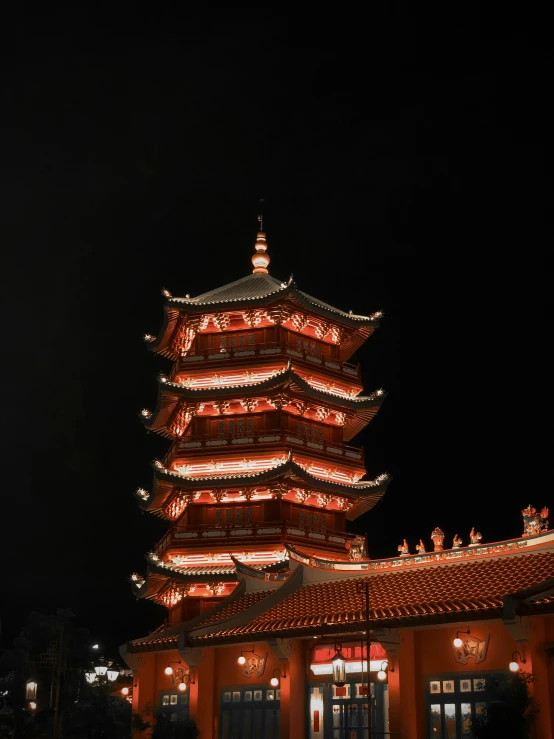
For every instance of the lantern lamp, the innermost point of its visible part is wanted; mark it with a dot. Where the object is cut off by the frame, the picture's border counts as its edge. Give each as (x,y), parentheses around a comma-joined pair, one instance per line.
(339,667)
(457,641)
(125,690)
(31,690)
(101,668)
(90,676)
(112,673)
(182,686)
(514,664)
(169,670)
(241,660)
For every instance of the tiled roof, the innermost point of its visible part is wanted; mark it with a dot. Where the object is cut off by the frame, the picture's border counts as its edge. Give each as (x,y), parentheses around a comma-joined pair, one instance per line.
(247,288)
(259,287)
(236,606)
(163,637)
(437,592)
(369,492)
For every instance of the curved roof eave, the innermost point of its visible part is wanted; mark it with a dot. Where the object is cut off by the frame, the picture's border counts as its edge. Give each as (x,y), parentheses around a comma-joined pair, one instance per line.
(370,491)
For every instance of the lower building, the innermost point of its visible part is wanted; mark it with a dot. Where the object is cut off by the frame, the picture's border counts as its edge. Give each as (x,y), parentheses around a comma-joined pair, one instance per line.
(445,628)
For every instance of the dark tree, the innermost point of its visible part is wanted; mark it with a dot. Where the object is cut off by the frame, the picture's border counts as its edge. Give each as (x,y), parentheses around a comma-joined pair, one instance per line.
(513,712)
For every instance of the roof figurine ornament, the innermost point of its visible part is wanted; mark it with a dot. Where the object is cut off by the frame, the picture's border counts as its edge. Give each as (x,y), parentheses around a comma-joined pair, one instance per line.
(474,537)
(260,260)
(534,522)
(420,548)
(438,538)
(456,542)
(404,549)
(356,548)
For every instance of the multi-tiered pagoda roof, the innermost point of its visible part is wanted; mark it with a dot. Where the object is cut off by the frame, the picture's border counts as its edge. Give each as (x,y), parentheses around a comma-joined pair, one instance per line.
(259,404)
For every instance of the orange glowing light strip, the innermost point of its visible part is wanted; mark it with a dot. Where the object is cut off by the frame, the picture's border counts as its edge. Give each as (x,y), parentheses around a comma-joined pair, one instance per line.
(225,379)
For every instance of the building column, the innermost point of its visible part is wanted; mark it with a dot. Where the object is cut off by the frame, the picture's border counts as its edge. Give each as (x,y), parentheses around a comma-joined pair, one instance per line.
(203,695)
(144,687)
(536,658)
(296,718)
(405,715)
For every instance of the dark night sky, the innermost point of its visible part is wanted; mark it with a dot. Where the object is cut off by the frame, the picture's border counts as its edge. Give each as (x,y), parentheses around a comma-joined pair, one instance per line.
(402,159)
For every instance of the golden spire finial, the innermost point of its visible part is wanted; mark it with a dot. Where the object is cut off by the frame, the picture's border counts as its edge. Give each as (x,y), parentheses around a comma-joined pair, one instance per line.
(260,260)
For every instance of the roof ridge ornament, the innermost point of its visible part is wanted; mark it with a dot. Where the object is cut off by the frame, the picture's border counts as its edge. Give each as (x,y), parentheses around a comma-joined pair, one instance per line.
(260,259)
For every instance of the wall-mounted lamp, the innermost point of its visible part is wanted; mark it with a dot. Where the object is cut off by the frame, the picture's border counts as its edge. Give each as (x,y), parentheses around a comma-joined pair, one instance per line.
(257,663)
(382,673)
(457,641)
(275,680)
(179,675)
(514,664)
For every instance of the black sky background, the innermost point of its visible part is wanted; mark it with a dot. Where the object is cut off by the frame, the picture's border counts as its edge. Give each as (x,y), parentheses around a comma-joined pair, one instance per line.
(403,160)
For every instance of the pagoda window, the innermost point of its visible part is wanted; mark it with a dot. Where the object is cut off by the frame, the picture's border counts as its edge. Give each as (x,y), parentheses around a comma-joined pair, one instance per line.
(301,518)
(310,430)
(218,516)
(238,516)
(230,428)
(248,515)
(228,516)
(251,339)
(308,520)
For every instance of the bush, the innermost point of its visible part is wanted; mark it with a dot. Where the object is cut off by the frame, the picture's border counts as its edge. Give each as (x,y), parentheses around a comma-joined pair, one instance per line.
(513,712)
(166,728)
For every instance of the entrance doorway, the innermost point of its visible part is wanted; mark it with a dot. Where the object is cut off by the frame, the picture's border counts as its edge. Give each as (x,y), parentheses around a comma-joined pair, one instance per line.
(343,713)
(250,712)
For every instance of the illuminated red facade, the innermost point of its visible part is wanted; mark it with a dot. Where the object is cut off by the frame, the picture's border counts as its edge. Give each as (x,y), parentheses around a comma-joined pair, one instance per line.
(262,583)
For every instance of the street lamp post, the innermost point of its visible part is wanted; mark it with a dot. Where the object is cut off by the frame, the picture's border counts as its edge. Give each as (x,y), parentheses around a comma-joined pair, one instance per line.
(102,673)
(362,587)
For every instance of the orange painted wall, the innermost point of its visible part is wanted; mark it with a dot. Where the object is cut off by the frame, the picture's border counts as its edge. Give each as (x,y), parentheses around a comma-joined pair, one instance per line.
(422,654)
(434,655)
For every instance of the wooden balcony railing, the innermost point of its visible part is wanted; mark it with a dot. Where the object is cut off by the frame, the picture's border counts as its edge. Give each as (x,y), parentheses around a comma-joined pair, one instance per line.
(269,437)
(266,351)
(248,532)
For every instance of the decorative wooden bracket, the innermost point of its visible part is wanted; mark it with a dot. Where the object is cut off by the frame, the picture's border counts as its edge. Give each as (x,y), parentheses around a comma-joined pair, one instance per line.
(191,655)
(388,638)
(519,627)
(282,648)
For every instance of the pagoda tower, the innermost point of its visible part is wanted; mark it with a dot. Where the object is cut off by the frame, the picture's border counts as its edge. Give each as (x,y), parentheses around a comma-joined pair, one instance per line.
(259,406)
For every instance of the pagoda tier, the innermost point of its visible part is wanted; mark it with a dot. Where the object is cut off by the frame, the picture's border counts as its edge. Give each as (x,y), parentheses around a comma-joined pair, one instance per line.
(181,409)
(258,404)
(259,301)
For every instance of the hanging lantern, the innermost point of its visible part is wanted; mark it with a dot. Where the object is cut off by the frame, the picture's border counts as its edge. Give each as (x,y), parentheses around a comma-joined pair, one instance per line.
(90,676)
(31,690)
(339,667)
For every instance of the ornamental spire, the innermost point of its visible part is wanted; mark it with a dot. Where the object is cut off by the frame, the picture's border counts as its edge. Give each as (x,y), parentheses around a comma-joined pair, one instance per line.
(260,260)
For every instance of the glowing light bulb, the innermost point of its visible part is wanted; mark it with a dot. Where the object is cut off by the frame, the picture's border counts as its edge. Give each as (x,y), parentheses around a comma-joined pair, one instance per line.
(168,670)
(241,660)
(182,686)
(274,681)
(458,642)
(381,675)
(513,666)
(32,705)
(125,691)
